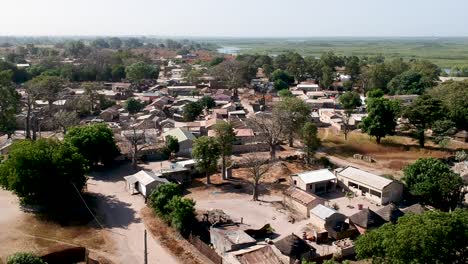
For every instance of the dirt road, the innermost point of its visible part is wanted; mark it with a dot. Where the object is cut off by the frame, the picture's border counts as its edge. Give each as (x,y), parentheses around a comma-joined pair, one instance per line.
(120,214)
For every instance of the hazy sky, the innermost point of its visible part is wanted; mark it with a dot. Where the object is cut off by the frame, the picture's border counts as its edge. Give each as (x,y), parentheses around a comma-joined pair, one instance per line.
(248,18)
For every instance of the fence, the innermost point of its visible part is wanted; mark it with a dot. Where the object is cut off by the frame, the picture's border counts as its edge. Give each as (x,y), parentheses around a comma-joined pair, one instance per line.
(205,249)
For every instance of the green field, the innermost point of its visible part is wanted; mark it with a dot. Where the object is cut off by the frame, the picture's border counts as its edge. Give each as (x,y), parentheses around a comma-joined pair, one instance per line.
(445,52)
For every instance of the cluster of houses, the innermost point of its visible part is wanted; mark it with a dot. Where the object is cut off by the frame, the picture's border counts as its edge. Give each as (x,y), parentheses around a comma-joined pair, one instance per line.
(330,231)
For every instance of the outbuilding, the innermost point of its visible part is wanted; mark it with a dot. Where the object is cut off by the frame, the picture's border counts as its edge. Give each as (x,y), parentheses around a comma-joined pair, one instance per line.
(300,201)
(316,181)
(143,182)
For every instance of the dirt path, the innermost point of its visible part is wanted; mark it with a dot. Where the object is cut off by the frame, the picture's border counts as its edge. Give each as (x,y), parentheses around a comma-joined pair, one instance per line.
(120,214)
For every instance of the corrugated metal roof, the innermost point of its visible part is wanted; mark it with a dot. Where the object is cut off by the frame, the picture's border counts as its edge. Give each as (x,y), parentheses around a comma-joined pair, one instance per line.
(316,176)
(364,177)
(299,195)
(322,211)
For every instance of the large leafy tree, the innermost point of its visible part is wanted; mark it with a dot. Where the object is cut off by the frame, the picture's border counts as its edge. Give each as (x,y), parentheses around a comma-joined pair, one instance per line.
(233,74)
(433,182)
(454,96)
(182,213)
(310,139)
(270,129)
(207,102)
(226,137)
(172,145)
(381,118)
(191,111)
(44,172)
(140,71)
(48,88)
(431,237)
(422,114)
(96,143)
(281,76)
(349,101)
(206,152)
(160,197)
(8,104)
(133,105)
(294,113)
(409,82)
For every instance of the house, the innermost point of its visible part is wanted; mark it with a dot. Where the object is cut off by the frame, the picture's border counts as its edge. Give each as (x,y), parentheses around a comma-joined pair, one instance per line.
(184,137)
(321,216)
(175,173)
(258,254)
(244,136)
(181,90)
(321,103)
(188,164)
(414,209)
(308,87)
(366,219)
(300,201)
(237,113)
(390,213)
(143,182)
(230,238)
(109,114)
(317,181)
(374,187)
(293,249)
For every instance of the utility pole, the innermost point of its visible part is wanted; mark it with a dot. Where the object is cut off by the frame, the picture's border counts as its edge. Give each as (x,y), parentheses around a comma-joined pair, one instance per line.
(146,250)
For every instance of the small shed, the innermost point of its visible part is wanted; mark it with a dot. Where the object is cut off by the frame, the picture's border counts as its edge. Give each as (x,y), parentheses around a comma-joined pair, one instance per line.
(322,216)
(300,201)
(230,238)
(316,181)
(294,248)
(143,182)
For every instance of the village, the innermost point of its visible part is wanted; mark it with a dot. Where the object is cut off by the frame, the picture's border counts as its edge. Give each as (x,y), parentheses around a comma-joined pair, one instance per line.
(281,167)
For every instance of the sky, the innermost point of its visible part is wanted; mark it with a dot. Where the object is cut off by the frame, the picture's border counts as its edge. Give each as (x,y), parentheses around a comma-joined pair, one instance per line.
(235,18)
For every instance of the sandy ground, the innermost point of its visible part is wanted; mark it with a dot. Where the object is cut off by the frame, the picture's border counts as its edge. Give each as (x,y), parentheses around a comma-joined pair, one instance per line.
(120,213)
(21,231)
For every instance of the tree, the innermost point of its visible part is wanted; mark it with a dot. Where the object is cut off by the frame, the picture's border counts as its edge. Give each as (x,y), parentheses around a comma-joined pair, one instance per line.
(118,72)
(206,152)
(285,93)
(434,183)
(379,76)
(353,68)
(281,76)
(381,118)
(256,168)
(48,88)
(64,120)
(328,76)
(139,71)
(100,43)
(233,74)
(296,65)
(172,145)
(431,237)
(95,143)
(182,213)
(207,102)
(422,114)
(454,97)
(191,111)
(160,197)
(44,172)
(294,113)
(138,140)
(409,82)
(349,101)
(310,139)
(9,103)
(133,105)
(226,137)
(442,130)
(24,258)
(270,129)
(115,43)
(91,91)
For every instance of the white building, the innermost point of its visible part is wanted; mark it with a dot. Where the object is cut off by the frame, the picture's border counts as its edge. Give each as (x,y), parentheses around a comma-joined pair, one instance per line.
(374,187)
(143,182)
(317,181)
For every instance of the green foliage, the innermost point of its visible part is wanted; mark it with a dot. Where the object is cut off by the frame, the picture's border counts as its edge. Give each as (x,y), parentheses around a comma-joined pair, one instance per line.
(215,61)
(172,144)
(160,198)
(95,143)
(434,183)
(431,237)
(310,139)
(422,114)
(140,71)
(381,118)
(409,82)
(9,103)
(191,111)
(454,96)
(24,258)
(44,172)
(225,136)
(207,102)
(283,76)
(327,77)
(206,152)
(280,85)
(349,101)
(133,105)
(442,129)
(284,93)
(181,213)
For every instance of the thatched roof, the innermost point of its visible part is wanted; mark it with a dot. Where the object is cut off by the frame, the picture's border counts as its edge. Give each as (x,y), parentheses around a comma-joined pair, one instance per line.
(414,209)
(390,213)
(367,218)
(293,246)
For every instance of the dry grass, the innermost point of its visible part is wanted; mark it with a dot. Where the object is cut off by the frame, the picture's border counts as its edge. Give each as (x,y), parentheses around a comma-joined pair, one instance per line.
(171,239)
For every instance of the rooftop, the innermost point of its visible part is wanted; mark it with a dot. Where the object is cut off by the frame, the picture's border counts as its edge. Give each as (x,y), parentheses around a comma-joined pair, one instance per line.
(316,176)
(299,195)
(144,177)
(365,177)
(322,211)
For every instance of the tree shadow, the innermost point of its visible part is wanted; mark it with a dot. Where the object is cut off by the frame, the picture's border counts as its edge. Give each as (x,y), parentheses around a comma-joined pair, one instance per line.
(114,174)
(241,186)
(114,213)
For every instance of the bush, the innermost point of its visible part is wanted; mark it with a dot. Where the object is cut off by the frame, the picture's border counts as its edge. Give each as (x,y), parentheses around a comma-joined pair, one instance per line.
(160,197)
(182,213)
(24,258)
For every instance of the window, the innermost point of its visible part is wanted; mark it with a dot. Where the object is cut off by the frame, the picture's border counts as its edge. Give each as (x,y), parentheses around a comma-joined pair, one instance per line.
(364,189)
(352,184)
(295,182)
(311,187)
(376,193)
